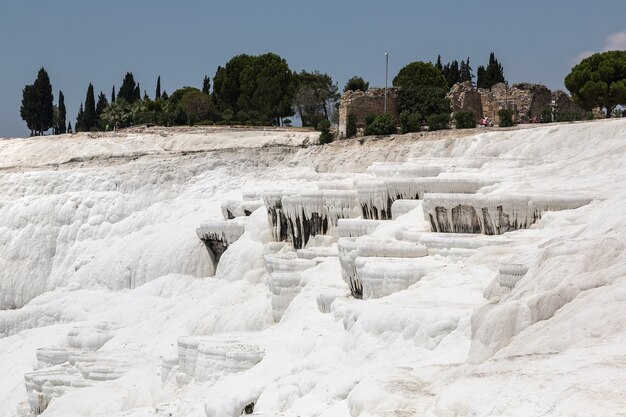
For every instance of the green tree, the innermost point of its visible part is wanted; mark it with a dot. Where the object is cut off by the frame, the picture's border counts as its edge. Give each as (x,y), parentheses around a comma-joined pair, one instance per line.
(80,119)
(113,95)
(37,104)
(69,127)
(116,114)
(315,97)
(356,84)
(157,94)
(487,77)
(419,74)
(101,105)
(422,90)
(62,114)
(89,115)
(129,91)
(197,106)
(30,108)
(599,81)
(206,85)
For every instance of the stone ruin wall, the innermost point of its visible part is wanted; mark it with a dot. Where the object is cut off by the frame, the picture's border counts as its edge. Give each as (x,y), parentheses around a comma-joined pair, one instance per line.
(363,104)
(525,99)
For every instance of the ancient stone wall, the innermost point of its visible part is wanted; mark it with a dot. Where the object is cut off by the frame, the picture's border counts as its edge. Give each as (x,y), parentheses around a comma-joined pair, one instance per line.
(463,96)
(363,104)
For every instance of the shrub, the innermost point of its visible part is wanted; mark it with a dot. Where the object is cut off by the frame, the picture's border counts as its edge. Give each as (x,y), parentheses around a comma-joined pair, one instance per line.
(464,119)
(506,118)
(351,126)
(410,122)
(287,122)
(381,125)
(369,119)
(438,121)
(567,116)
(546,115)
(324,128)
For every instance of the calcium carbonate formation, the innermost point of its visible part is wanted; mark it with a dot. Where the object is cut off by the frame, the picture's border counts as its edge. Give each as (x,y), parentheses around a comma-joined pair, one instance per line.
(208,358)
(371,246)
(217,235)
(376,196)
(491,214)
(317,213)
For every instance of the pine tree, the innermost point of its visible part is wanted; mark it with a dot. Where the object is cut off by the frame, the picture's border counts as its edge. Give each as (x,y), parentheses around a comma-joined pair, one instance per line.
(79,119)
(158,89)
(100,106)
(113,95)
(206,85)
(62,113)
(164,96)
(89,115)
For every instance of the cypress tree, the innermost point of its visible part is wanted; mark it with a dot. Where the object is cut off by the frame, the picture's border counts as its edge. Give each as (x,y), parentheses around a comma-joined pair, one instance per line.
(158,89)
(100,106)
(89,116)
(69,127)
(137,93)
(438,64)
(42,98)
(62,113)
(164,96)
(79,118)
(113,95)
(29,107)
(206,85)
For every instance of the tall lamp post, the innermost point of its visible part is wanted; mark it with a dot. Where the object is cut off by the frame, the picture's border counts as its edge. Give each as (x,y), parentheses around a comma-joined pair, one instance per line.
(386,72)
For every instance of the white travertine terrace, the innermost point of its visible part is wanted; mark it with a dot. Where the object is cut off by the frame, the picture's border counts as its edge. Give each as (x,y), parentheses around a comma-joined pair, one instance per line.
(404,170)
(384,276)
(208,358)
(357,227)
(491,214)
(217,235)
(402,207)
(317,213)
(237,208)
(371,246)
(376,196)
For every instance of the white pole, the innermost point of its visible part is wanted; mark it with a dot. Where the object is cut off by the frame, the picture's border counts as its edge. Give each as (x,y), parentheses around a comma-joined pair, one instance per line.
(386,73)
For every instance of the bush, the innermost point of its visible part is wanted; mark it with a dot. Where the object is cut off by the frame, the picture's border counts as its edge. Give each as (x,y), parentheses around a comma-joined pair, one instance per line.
(410,122)
(381,125)
(546,115)
(351,126)
(506,118)
(567,116)
(324,128)
(287,122)
(369,119)
(438,121)
(464,119)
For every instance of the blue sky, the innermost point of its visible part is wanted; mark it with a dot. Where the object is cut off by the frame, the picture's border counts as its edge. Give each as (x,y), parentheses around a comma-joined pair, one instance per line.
(80,41)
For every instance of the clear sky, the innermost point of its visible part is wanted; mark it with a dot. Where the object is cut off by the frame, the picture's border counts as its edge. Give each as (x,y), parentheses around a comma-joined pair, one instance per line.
(81,41)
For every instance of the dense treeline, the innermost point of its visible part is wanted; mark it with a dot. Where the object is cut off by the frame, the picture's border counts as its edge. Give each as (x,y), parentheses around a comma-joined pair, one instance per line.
(263,90)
